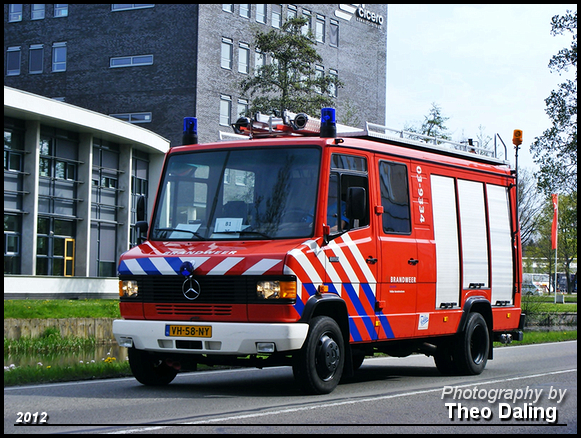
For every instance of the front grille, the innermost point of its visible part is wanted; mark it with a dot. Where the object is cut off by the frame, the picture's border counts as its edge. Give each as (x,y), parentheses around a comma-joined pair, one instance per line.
(213,289)
(217,292)
(202,310)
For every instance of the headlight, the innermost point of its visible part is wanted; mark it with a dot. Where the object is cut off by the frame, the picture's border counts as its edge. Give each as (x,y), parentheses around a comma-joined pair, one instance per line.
(128,288)
(276,289)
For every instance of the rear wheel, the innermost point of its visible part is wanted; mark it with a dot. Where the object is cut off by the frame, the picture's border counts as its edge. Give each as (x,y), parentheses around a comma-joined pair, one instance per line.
(471,354)
(148,369)
(318,365)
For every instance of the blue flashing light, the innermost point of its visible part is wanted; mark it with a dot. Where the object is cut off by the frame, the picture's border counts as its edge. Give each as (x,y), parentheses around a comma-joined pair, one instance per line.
(328,123)
(190,135)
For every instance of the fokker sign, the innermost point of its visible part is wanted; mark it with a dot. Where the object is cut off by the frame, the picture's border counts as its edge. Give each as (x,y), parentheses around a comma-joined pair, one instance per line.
(348,11)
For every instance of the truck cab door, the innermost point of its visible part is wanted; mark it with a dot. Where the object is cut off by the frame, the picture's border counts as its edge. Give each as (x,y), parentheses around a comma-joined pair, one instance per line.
(351,251)
(398,262)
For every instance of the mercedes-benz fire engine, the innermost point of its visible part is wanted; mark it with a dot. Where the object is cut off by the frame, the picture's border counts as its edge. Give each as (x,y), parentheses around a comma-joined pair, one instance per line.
(314,245)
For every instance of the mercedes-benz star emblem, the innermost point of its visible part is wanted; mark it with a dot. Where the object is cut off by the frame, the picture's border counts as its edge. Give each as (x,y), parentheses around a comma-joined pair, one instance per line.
(191,288)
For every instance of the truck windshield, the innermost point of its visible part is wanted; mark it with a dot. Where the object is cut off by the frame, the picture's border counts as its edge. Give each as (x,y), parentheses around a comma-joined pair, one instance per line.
(238,194)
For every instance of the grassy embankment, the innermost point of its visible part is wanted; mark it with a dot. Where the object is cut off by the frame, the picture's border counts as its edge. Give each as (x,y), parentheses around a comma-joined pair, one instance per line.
(51,342)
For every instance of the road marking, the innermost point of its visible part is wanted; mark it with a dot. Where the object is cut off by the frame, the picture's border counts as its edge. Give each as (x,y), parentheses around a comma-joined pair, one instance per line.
(327,405)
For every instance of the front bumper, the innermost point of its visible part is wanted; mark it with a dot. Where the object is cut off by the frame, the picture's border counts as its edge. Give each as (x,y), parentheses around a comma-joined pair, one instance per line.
(227,338)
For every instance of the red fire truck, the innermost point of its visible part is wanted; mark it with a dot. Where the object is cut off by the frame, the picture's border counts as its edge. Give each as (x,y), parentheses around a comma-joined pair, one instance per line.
(311,244)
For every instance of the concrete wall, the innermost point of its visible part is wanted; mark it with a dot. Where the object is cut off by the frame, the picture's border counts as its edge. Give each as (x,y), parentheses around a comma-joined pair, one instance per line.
(99,328)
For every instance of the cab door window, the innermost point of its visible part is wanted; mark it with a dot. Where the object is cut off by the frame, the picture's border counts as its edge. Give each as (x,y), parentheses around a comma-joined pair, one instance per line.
(395,198)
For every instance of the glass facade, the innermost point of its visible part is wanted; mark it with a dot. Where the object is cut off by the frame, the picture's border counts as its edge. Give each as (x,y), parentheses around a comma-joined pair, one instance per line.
(83,216)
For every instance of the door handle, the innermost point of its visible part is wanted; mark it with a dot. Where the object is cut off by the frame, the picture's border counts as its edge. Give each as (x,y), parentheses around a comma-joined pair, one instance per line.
(413,262)
(371,260)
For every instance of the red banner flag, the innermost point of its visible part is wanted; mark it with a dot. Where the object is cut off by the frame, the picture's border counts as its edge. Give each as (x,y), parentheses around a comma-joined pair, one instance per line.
(555,220)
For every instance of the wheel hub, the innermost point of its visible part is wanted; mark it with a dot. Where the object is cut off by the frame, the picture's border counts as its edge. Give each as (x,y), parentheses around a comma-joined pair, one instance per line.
(327,357)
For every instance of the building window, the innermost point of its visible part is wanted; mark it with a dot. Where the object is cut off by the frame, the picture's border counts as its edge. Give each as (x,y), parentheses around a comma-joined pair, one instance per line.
(13,61)
(228,7)
(261,10)
(37,12)
(225,110)
(243,58)
(59,57)
(104,207)
(319,74)
(245,11)
(139,187)
(333,86)
(51,247)
(15,13)
(131,61)
(334,33)
(226,54)
(307,27)
(320,28)
(61,10)
(12,160)
(36,56)
(291,12)
(242,108)
(12,242)
(133,117)
(57,190)
(129,7)
(13,193)
(259,61)
(276,16)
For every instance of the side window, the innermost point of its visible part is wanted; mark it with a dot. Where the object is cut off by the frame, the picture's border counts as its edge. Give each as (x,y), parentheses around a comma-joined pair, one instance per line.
(395,198)
(346,171)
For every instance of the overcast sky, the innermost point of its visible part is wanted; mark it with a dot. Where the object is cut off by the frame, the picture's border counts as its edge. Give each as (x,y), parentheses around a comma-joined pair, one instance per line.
(482,64)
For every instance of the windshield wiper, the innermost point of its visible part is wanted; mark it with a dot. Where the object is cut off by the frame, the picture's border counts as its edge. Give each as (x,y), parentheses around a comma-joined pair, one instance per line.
(181,230)
(258,233)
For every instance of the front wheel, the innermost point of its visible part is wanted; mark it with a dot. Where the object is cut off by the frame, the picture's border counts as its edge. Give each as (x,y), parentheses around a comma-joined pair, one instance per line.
(148,369)
(318,365)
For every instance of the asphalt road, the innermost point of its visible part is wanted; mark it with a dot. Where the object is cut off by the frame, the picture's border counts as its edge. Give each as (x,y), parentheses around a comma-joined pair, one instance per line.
(525,389)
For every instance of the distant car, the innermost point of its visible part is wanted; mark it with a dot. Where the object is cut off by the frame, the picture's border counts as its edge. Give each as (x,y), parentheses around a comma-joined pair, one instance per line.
(532,290)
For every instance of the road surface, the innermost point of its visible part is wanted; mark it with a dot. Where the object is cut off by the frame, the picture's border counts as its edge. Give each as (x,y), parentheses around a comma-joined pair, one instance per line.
(525,389)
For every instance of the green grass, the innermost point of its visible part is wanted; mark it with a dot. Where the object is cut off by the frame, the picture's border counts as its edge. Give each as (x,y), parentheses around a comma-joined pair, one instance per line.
(42,309)
(41,373)
(541,337)
(50,342)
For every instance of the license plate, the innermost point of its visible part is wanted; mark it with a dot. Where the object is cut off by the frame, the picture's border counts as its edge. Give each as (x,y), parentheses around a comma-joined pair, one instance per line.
(192,331)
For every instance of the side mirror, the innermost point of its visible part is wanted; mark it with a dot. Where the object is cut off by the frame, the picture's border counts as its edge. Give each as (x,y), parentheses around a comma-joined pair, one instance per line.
(141,225)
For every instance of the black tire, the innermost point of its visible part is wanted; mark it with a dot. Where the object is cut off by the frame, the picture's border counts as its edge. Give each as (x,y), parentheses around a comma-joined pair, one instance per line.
(318,365)
(471,353)
(148,369)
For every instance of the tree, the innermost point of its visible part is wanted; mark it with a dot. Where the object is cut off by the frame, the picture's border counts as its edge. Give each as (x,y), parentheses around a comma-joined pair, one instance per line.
(555,151)
(289,81)
(433,125)
(529,205)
